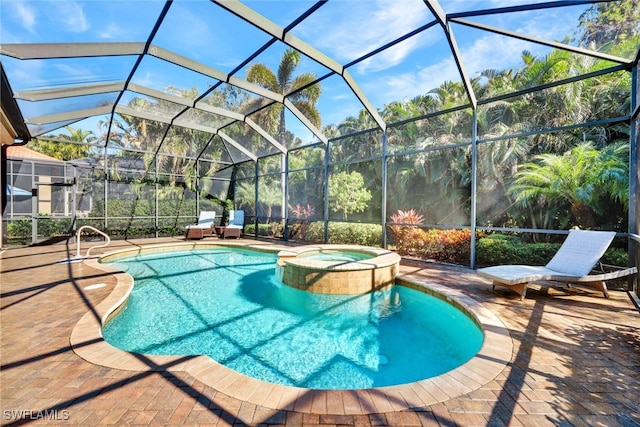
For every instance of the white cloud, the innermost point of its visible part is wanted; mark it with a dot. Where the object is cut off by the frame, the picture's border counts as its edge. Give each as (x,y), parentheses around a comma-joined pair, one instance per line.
(198,37)
(356,28)
(70,16)
(390,57)
(26,15)
(111,31)
(410,84)
(553,24)
(491,51)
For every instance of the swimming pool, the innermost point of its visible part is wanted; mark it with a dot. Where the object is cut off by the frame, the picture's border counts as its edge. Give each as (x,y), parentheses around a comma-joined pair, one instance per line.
(227,304)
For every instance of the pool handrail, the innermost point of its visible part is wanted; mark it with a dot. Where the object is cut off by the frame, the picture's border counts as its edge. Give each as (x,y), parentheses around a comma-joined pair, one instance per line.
(106,243)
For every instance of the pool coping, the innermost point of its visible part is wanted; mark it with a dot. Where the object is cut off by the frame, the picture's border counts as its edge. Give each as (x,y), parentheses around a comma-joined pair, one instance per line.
(496,352)
(379,257)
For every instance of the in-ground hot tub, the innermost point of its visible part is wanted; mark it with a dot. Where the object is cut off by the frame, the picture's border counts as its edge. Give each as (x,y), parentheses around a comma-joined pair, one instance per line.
(338,269)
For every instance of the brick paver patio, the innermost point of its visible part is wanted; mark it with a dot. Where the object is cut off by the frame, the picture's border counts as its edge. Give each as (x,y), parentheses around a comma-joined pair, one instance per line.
(575,359)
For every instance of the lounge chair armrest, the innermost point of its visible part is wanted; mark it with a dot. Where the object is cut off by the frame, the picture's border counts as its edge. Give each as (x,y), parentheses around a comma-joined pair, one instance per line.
(608,267)
(610,275)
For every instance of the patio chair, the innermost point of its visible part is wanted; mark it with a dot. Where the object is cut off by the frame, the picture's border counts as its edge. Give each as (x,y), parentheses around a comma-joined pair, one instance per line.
(236,224)
(204,226)
(572,264)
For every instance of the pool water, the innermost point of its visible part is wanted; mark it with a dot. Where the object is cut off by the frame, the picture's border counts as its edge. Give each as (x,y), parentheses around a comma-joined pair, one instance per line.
(227,304)
(346,256)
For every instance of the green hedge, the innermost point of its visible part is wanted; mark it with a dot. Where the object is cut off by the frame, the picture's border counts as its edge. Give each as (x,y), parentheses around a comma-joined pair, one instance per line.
(499,249)
(339,233)
(144,207)
(19,231)
(273,229)
(125,217)
(346,233)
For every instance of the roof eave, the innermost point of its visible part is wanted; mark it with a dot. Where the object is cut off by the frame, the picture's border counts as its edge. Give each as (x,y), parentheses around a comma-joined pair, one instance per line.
(12,118)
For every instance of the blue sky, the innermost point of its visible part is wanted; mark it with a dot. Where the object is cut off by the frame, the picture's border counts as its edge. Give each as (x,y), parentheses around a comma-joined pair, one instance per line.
(340,29)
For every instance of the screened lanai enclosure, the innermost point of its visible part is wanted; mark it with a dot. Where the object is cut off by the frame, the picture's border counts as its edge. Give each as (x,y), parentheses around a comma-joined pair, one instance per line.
(433,127)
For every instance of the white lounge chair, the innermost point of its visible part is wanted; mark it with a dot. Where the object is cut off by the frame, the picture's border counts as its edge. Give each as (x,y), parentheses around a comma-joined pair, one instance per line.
(203,228)
(573,263)
(236,224)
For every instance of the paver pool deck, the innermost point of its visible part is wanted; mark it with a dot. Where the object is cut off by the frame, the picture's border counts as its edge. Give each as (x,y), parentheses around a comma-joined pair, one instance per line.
(574,359)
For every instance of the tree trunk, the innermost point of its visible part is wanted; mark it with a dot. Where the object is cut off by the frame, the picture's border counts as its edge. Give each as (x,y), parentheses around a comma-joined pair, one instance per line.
(583,215)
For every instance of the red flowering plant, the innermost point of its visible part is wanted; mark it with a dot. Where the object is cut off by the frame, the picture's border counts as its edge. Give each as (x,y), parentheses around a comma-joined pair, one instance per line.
(408,238)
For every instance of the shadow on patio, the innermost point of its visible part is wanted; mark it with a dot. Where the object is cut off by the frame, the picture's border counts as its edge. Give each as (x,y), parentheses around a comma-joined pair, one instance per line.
(576,360)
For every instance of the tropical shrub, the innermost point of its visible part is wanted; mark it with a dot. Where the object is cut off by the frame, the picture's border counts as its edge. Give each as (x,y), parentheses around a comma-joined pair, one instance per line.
(410,241)
(583,176)
(53,227)
(276,229)
(452,246)
(263,229)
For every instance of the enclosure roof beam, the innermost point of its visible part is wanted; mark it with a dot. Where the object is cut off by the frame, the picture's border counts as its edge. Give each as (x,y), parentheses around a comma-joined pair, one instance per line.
(10,115)
(265,135)
(553,44)
(258,90)
(463,72)
(189,64)
(154,93)
(520,8)
(441,16)
(69,91)
(285,36)
(313,53)
(364,100)
(219,111)
(69,115)
(121,109)
(70,50)
(305,121)
(256,19)
(205,107)
(196,126)
(237,145)
(184,62)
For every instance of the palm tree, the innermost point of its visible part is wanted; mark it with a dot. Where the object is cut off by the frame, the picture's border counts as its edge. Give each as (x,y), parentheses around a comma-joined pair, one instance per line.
(609,23)
(581,176)
(299,90)
(77,147)
(245,196)
(269,197)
